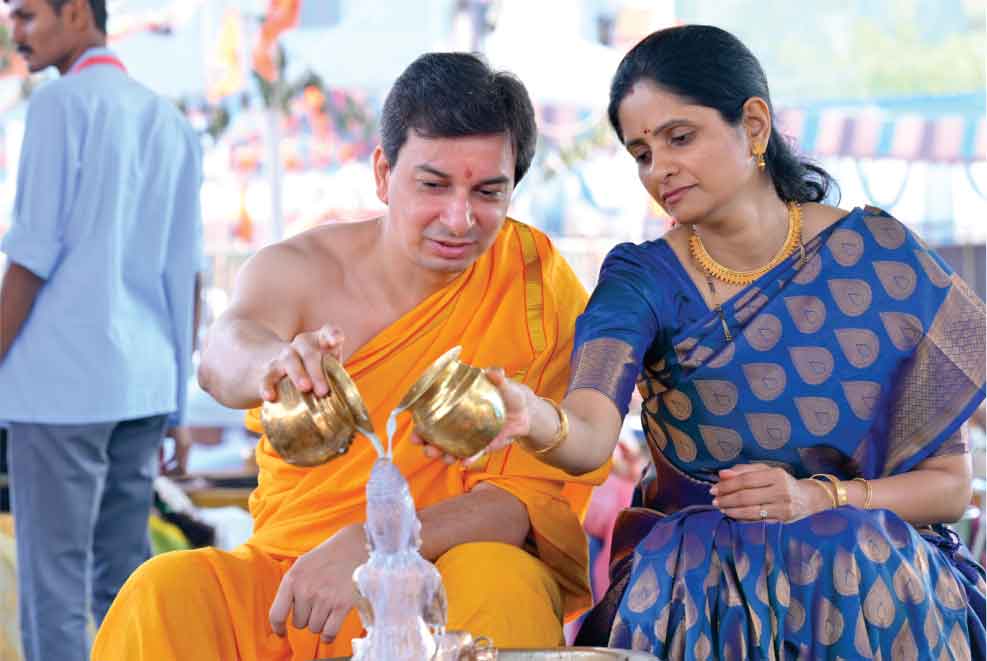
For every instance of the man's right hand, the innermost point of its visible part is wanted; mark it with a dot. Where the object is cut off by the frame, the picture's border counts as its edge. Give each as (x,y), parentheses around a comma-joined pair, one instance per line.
(319,590)
(301,361)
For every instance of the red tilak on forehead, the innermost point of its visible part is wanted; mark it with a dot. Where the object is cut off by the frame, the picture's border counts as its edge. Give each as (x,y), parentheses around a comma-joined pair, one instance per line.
(469,173)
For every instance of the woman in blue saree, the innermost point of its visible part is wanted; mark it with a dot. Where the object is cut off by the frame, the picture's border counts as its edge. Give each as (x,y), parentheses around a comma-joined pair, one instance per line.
(805,374)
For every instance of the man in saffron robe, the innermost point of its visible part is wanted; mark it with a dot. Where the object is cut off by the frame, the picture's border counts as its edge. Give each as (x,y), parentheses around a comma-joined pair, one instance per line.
(443,267)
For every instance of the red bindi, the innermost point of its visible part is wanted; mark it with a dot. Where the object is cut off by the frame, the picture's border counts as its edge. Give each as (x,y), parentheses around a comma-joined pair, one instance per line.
(469,173)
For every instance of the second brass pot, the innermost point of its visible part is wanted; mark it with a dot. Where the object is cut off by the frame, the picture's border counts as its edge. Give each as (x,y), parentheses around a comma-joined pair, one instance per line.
(307,430)
(455,407)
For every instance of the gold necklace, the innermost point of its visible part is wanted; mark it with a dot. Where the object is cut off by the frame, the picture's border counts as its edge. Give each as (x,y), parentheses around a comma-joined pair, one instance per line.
(710,266)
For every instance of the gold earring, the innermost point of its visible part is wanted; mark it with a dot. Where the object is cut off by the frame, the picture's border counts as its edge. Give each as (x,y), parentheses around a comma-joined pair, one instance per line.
(757,151)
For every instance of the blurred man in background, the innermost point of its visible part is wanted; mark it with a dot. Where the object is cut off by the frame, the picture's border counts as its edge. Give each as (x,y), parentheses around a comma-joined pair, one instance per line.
(96,319)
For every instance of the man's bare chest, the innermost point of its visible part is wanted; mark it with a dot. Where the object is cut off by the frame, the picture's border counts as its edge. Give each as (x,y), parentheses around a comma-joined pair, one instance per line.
(360,318)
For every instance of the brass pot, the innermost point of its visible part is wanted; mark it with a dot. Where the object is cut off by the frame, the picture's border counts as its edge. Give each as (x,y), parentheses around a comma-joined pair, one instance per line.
(307,430)
(455,407)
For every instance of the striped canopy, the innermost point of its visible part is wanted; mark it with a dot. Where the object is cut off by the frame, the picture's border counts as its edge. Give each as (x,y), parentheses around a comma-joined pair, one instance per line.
(944,135)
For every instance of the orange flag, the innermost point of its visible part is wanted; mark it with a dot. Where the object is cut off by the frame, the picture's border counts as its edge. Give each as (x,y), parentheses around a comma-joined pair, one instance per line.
(225,71)
(281,15)
(244,228)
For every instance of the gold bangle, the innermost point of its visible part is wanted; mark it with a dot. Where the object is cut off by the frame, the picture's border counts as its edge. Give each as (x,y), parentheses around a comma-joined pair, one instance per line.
(838,486)
(829,493)
(560,435)
(868,491)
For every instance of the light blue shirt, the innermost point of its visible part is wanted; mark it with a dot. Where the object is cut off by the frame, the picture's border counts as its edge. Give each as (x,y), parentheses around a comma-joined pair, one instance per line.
(107,214)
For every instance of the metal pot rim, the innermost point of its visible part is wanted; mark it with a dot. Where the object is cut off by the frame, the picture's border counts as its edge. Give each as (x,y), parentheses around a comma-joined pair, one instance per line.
(341,381)
(419,387)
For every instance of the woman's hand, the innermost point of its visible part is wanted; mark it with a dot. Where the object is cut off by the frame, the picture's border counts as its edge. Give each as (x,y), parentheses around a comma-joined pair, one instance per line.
(517,421)
(755,492)
(518,402)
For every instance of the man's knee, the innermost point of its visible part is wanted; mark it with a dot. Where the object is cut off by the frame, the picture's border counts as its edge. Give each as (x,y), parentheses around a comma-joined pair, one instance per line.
(503,592)
(181,580)
(169,568)
(498,571)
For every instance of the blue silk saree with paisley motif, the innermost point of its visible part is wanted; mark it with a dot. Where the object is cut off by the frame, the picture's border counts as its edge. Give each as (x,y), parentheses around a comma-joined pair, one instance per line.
(861,359)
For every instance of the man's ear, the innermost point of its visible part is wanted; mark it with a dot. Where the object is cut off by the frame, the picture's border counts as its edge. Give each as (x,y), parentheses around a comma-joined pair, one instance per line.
(78,15)
(382,173)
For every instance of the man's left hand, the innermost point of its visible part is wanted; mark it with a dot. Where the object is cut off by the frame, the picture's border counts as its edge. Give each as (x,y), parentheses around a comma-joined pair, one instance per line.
(177,463)
(319,589)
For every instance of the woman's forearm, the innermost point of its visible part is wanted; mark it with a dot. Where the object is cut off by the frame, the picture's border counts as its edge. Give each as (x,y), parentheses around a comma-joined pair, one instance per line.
(594,425)
(937,491)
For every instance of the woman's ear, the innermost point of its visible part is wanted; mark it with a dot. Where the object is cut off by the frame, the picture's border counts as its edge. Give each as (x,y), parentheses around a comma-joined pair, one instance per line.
(756,119)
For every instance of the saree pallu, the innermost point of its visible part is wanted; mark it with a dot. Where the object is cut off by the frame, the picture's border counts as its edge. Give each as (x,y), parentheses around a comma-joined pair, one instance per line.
(861,360)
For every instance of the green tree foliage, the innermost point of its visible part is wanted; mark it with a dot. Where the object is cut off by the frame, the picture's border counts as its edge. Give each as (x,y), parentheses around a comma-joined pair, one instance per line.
(854,49)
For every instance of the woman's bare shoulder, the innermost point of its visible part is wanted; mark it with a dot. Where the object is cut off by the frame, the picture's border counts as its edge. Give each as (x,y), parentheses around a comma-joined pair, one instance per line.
(817,217)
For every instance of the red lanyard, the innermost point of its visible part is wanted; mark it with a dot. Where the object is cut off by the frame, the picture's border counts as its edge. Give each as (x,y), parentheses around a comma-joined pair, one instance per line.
(112,60)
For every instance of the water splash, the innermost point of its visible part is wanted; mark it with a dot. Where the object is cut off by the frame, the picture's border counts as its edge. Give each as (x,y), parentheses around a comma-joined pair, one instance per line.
(404,607)
(375,441)
(389,433)
(405,601)
(392,427)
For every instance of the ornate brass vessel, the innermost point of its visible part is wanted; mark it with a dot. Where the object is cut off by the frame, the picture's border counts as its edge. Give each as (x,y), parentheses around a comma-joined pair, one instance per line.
(307,430)
(455,407)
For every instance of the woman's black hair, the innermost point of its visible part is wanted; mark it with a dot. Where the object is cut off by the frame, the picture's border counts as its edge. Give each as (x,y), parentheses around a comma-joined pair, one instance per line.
(710,67)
